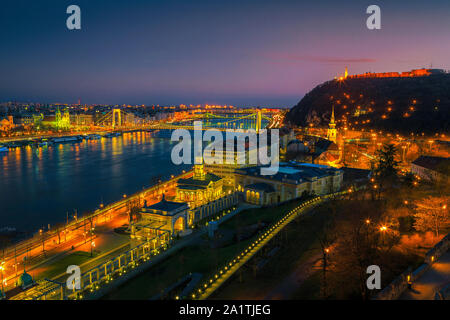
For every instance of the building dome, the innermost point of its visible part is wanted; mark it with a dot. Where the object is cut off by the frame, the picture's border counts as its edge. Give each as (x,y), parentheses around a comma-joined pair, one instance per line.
(25,280)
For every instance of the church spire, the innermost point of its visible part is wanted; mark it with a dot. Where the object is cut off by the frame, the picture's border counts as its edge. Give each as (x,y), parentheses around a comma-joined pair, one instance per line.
(332,115)
(332,132)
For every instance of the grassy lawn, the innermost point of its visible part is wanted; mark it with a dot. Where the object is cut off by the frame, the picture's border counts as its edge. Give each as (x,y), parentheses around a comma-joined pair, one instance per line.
(198,258)
(298,242)
(310,288)
(60,266)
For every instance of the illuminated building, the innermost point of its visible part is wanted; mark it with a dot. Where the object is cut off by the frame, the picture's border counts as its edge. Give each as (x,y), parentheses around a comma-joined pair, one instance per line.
(7,123)
(332,132)
(164,216)
(407,74)
(62,121)
(431,168)
(292,180)
(201,188)
(226,169)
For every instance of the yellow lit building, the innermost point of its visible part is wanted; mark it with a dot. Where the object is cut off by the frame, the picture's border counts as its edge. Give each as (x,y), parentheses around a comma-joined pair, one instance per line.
(164,217)
(332,132)
(292,180)
(6,124)
(203,187)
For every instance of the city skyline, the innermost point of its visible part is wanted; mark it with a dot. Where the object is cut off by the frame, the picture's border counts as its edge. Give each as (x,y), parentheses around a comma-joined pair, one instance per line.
(208,52)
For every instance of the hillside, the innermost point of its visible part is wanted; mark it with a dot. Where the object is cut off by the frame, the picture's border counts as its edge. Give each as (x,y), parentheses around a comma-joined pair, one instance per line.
(415,104)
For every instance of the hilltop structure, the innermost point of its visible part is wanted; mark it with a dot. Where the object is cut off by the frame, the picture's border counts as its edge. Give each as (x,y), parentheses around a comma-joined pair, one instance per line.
(406,74)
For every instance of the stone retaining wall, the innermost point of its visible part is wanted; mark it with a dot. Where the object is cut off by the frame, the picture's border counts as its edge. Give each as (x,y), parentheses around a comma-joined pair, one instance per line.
(396,288)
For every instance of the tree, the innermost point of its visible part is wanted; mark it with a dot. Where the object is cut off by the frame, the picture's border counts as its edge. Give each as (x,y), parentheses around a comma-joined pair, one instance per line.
(386,167)
(432,213)
(363,238)
(408,180)
(326,240)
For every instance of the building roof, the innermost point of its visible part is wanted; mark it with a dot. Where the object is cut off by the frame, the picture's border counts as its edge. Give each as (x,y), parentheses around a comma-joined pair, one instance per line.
(166,206)
(438,164)
(25,280)
(260,187)
(322,145)
(291,172)
(199,184)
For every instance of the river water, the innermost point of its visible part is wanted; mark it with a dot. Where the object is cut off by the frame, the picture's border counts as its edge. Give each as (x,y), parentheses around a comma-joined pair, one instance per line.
(39,186)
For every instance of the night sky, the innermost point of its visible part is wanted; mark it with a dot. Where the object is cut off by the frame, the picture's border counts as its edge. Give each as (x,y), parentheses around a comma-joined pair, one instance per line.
(239,52)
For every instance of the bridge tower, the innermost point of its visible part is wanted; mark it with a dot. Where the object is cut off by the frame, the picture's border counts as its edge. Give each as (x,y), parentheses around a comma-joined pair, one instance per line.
(258,121)
(116,112)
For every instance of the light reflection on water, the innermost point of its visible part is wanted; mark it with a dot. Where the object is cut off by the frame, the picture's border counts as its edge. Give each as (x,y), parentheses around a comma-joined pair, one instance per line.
(40,185)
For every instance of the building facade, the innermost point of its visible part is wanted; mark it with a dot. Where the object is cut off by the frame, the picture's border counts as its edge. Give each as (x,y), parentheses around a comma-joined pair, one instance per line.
(162,217)
(203,187)
(292,180)
(429,168)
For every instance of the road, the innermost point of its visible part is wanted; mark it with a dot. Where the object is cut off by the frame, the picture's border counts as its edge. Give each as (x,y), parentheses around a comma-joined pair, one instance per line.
(431,281)
(110,217)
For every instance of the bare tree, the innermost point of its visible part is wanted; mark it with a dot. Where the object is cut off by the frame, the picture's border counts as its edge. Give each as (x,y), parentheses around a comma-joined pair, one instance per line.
(432,214)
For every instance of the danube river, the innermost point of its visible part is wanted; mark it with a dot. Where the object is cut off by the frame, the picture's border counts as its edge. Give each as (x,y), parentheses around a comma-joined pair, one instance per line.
(40,186)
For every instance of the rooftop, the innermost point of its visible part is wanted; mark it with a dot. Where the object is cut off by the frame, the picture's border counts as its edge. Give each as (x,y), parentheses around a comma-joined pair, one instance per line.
(438,164)
(291,172)
(166,206)
(197,183)
(260,187)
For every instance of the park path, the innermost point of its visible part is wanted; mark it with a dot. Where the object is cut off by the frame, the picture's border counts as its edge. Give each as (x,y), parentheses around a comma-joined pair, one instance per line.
(431,281)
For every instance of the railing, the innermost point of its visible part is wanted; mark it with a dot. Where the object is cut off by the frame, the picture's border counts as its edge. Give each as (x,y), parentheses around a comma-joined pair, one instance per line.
(30,244)
(231,267)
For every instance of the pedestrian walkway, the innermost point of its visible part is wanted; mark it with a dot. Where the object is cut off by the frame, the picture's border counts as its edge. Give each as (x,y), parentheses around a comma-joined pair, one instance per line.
(431,281)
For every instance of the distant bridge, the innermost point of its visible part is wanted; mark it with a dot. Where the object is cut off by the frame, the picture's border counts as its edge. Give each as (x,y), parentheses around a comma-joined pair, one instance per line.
(117,118)
(231,121)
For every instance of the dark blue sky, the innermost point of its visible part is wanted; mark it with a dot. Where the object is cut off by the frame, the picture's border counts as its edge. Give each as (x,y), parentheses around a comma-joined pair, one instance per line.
(246,52)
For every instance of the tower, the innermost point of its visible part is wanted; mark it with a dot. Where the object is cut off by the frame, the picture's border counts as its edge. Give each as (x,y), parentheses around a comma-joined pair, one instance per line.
(332,132)
(199,170)
(346,73)
(258,120)
(58,118)
(116,118)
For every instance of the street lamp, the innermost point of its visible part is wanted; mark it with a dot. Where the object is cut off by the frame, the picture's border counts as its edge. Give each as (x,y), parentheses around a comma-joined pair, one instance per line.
(92,246)
(2,268)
